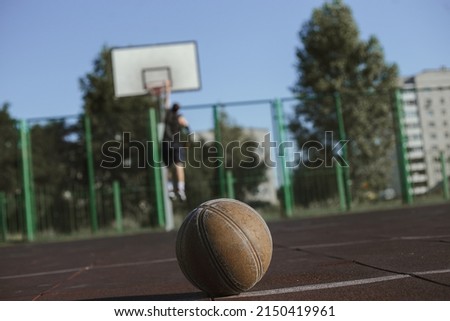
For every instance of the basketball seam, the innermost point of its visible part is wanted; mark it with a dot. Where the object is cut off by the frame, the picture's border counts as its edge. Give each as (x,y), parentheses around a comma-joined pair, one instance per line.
(248,207)
(180,253)
(243,236)
(258,216)
(212,254)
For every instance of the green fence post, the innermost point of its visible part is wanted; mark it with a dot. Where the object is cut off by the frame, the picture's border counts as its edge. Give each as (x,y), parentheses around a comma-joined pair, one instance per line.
(117,206)
(230,184)
(32,187)
(29,221)
(3,227)
(444,177)
(157,175)
(91,175)
(281,133)
(342,137)
(341,187)
(403,166)
(218,139)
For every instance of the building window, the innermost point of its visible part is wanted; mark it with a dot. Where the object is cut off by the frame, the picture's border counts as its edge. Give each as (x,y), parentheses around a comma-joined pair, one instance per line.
(442,100)
(431,124)
(433,136)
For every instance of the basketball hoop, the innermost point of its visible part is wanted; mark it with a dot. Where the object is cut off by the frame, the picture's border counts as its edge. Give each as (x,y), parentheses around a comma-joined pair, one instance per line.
(136,68)
(158,88)
(156,91)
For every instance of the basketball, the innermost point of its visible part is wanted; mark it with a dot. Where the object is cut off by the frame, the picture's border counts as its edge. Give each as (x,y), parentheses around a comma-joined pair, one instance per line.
(224,247)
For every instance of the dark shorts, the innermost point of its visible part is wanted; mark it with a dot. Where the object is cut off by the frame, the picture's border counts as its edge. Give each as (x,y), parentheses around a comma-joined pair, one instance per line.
(173,152)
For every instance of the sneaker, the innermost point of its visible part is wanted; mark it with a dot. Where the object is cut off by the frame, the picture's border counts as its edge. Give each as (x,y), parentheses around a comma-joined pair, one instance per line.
(172,195)
(182,196)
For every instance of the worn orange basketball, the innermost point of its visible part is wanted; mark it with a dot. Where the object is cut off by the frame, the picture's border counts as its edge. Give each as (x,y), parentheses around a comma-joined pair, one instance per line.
(224,247)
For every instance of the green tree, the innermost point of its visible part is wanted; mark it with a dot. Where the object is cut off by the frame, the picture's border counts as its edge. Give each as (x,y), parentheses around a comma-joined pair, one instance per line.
(248,172)
(123,120)
(57,171)
(54,166)
(248,169)
(333,59)
(9,156)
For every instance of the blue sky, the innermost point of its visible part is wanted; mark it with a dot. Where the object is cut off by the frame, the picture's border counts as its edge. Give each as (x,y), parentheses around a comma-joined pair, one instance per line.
(246,47)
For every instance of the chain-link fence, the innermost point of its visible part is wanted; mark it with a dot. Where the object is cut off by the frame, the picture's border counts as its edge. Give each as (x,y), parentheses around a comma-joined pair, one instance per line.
(99,172)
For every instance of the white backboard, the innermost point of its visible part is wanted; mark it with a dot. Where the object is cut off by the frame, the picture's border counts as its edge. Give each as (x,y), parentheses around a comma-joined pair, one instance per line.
(133,66)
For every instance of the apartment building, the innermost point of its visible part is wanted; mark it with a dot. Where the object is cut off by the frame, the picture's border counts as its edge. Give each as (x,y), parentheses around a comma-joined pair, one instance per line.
(426,102)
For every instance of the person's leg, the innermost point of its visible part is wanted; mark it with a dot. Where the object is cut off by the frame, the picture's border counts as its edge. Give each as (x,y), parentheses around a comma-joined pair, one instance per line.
(179,168)
(170,182)
(179,159)
(167,157)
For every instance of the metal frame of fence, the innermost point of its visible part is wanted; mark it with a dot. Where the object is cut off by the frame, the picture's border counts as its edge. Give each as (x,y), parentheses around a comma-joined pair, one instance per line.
(226,181)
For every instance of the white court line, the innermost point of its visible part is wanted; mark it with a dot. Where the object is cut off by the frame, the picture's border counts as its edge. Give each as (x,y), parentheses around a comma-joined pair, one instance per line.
(431,272)
(423,237)
(323,286)
(406,238)
(9,277)
(312,246)
(134,263)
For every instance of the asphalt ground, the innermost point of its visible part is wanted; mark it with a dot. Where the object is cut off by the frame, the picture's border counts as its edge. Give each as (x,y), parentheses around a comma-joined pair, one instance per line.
(401,254)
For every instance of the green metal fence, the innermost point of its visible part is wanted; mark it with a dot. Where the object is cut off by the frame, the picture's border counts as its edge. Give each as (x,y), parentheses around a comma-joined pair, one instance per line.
(95,173)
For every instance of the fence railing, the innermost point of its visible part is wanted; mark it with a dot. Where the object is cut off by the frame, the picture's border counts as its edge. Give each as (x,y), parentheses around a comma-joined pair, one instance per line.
(58,183)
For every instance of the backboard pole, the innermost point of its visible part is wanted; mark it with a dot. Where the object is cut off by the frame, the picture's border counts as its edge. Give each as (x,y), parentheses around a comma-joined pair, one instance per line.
(157,175)
(168,210)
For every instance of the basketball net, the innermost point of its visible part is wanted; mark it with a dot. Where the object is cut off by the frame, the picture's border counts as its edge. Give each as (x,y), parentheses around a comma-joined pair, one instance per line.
(160,90)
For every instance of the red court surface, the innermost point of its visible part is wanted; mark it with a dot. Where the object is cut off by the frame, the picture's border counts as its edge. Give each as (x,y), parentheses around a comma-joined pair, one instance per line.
(401,254)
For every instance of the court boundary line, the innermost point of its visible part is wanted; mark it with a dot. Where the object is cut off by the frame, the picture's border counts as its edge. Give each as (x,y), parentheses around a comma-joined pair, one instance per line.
(86,268)
(396,238)
(333,285)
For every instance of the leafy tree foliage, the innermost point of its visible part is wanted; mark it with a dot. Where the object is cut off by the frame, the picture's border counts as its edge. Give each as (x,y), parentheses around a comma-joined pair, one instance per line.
(123,120)
(9,156)
(248,171)
(332,59)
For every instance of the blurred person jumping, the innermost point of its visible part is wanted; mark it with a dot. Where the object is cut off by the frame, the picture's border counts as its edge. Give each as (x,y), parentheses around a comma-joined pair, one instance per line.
(174,149)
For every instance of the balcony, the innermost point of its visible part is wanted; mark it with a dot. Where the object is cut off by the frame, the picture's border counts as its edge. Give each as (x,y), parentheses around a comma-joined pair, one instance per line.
(420,190)
(415,167)
(414,143)
(418,178)
(416,154)
(412,131)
